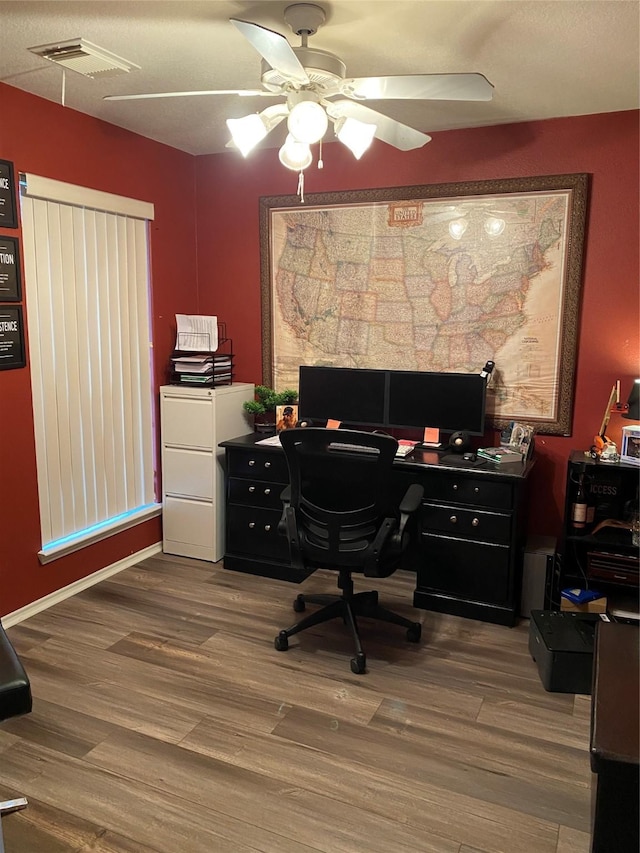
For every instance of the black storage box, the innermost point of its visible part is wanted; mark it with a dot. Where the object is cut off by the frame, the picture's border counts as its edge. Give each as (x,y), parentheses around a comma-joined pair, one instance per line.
(561,643)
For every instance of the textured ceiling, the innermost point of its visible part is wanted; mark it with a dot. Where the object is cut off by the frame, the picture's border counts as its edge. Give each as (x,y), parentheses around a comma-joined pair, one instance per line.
(545,59)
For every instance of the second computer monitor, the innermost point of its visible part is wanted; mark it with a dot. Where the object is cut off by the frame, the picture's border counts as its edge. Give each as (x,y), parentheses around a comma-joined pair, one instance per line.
(446,401)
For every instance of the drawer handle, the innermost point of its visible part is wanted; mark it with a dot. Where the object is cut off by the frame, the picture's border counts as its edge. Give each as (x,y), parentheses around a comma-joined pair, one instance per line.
(477,489)
(252,524)
(267,491)
(267,527)
(475,522)
(267,464)
(252,462)
(252,489)
(455,487)
(453,519)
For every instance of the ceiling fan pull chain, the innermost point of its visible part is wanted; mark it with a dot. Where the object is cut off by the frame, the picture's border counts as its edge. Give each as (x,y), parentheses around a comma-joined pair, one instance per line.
(320,163)
(64,86)
(301,187)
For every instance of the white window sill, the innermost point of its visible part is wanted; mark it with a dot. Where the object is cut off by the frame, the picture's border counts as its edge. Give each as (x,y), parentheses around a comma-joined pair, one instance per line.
(69,544)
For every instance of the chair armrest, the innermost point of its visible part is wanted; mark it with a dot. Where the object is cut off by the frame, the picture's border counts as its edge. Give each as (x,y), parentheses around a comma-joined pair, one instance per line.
(411,500)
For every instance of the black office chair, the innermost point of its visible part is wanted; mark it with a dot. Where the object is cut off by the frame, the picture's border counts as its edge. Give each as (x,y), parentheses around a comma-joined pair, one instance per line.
(339,513)
(15,699)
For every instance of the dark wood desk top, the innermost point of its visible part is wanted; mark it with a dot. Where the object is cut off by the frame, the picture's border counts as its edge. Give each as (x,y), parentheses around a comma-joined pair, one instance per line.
(440,458)
(615,726)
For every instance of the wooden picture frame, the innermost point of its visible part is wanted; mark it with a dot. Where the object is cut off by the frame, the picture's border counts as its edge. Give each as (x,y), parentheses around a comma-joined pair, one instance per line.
(440,277)
(10,283)
(8,211)
(12,349)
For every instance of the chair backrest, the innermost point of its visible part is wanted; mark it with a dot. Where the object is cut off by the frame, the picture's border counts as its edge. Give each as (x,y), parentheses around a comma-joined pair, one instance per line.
(340,493)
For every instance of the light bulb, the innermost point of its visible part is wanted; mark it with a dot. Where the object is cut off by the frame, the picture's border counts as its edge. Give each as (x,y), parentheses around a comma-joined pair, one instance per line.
(246,132)
(356,135)
(307,122)
(295,155)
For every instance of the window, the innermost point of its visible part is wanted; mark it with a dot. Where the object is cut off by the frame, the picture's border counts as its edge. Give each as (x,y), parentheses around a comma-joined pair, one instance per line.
(87,284)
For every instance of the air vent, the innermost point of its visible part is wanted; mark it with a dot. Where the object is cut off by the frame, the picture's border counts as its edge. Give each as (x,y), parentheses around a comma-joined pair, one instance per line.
(85,58)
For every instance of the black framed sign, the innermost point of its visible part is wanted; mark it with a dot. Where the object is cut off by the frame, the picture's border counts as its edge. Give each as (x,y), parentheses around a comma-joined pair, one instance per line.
(8,218)
(11,338)
(10,290)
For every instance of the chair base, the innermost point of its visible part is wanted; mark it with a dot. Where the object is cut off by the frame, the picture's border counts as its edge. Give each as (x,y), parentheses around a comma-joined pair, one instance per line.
(348,607)
(6,807)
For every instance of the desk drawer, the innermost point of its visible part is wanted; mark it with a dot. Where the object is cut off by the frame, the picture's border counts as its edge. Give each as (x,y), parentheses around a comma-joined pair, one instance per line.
(254,531)
(264,466)
(261,493)
(460,488)
(470,571)
(466,523)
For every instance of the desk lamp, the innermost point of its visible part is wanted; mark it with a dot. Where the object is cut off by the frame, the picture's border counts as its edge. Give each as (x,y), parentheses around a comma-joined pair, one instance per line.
(633,403)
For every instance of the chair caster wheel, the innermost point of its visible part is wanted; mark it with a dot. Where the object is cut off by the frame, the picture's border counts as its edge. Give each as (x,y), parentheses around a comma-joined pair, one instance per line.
(359,663)
(281,642)
(414,633)
(298,605)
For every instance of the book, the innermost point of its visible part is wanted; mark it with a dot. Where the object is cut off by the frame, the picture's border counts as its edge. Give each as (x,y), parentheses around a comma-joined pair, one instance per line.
(500,454)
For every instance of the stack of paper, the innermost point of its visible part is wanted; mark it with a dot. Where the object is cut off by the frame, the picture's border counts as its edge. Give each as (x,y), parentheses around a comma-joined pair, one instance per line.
(196,333)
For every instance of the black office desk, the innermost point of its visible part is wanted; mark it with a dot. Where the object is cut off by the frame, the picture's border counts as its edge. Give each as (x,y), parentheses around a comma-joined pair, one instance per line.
(468,544)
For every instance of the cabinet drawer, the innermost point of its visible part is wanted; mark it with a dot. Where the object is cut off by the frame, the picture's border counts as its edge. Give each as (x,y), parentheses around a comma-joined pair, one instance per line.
(265,466)
(188,472)
(254,531)
(460,488)
(472,571)
(466,523)
(188,421)
(189,522)
(260,493)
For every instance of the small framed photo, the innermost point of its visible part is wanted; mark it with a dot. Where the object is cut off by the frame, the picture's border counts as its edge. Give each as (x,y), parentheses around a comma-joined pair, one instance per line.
(286,417)
(630,451)
(10,290)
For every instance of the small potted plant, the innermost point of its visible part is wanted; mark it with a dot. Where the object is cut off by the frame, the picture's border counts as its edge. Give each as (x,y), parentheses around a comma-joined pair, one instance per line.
(263,406)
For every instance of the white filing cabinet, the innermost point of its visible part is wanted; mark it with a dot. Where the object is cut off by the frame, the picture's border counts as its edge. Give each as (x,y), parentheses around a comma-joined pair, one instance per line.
(193,422)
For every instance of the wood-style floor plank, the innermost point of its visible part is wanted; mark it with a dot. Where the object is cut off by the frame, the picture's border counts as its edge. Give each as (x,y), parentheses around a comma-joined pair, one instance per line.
(165,721)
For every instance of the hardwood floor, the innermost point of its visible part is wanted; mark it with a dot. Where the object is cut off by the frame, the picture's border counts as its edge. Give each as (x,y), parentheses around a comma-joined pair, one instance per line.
(165,721)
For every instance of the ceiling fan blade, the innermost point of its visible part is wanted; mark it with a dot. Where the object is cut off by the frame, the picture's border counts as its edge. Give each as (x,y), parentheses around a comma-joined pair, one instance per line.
(387,129)
(440,87)
(275,49)
(141,97)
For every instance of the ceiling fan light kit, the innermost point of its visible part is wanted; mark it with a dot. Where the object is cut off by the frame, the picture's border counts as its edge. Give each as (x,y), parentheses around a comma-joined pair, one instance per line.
(316,91)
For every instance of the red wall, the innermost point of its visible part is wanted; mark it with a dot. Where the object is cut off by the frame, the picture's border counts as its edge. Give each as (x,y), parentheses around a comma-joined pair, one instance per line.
(205,258)
(605,146)
(44,138)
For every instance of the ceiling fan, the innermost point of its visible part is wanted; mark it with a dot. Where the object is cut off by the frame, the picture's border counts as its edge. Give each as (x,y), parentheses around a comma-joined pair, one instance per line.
(316,91)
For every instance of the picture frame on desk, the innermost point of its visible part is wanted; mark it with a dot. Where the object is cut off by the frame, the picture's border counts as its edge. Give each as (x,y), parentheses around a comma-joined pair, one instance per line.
(389,278)
(630,448)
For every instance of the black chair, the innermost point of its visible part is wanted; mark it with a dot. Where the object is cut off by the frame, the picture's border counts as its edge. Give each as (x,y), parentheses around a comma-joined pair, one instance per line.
(15,699)
(340,513)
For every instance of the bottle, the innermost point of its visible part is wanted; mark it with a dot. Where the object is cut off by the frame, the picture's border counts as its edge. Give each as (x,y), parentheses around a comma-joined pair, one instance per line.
(591,505)
(579,507)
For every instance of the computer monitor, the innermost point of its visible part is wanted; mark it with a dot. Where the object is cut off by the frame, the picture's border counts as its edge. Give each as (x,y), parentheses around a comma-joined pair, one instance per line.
(446,401)
(353,396)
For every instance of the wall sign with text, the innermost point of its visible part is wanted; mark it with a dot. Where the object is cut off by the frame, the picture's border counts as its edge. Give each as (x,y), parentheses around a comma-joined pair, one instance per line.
(9,269)
(8,218)
(12,352)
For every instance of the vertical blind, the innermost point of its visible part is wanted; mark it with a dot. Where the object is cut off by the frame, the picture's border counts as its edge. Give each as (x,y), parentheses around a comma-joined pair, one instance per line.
(87,284)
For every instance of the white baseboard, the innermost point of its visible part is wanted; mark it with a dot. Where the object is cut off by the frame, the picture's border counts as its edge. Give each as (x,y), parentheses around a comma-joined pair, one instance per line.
(77,586)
